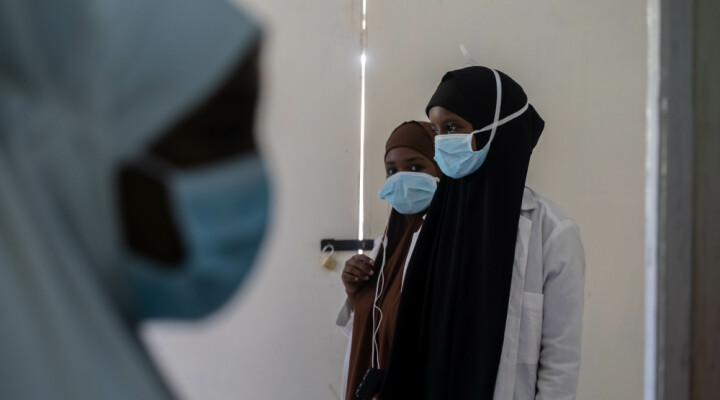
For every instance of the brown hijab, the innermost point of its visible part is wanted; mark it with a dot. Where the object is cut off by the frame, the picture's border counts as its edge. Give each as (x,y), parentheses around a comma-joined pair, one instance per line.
(400,229)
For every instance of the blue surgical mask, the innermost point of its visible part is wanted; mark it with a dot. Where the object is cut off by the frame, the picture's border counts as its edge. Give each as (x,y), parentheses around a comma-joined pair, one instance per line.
(221,213)
(409,192)
(455,156)
(454,153)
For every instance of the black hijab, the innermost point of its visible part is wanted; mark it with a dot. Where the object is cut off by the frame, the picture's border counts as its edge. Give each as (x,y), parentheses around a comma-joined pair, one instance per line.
(451,321)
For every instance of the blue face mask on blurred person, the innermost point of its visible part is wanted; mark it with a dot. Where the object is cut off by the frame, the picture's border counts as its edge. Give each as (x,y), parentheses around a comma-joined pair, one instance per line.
(409,192)
(221,213)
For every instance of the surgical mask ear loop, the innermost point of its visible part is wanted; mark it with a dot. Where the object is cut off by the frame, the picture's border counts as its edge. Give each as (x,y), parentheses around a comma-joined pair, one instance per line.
(498,103)
(496,118)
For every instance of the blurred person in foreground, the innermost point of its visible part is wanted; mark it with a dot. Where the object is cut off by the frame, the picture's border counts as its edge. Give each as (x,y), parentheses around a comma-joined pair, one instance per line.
(130,184)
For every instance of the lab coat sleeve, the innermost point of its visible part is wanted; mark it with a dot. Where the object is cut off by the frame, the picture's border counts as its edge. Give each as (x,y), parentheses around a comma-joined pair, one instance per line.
(564,261)
(345,323)
(344,319)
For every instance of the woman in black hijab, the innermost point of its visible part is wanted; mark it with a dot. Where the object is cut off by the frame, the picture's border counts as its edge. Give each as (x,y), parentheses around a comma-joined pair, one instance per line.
(492,300)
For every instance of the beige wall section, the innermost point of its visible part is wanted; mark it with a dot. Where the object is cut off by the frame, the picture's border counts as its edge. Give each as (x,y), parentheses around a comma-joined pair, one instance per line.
(277,340)
(582,64)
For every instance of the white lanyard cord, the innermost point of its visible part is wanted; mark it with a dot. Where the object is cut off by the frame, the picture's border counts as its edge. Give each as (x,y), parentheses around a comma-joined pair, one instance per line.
(379,286)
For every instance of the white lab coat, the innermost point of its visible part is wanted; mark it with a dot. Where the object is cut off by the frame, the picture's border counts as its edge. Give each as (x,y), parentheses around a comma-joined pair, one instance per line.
(541,351)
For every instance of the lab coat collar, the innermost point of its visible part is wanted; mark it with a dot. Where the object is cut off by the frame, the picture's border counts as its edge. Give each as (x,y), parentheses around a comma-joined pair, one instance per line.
(528,201)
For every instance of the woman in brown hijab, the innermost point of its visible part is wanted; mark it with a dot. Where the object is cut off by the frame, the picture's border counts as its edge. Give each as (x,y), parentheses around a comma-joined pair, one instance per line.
(374,282)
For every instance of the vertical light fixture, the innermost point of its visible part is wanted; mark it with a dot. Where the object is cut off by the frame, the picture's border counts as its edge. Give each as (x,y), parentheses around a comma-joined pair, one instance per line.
(652,166)
(363,59)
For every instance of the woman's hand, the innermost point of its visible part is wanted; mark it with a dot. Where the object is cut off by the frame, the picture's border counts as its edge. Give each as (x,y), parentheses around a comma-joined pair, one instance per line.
(357,271)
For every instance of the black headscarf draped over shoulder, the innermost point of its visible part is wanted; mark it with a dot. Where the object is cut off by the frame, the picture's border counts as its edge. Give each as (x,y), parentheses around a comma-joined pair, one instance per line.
(451,321)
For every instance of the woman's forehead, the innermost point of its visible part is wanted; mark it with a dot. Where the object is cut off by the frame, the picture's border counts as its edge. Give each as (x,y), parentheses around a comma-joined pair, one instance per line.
(404,154)
(439,115)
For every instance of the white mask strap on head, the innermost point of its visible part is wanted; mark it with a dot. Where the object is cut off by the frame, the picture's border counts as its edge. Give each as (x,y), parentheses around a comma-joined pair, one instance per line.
(498,103)
(499,122)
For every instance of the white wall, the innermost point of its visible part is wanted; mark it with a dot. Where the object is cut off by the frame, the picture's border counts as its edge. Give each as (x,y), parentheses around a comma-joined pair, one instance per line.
(582,64)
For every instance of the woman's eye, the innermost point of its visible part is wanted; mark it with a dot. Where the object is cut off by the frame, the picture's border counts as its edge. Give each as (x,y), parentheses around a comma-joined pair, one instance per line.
(416,168)
(391,171)
(451,128)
